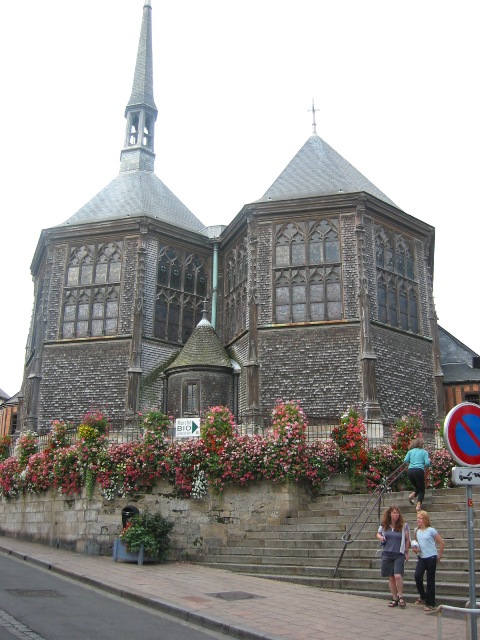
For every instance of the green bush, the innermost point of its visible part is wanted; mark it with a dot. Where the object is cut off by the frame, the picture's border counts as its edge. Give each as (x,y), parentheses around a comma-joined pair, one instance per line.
(150,529)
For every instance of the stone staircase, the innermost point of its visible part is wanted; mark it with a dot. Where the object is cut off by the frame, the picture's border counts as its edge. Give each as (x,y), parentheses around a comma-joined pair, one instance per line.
(306,547)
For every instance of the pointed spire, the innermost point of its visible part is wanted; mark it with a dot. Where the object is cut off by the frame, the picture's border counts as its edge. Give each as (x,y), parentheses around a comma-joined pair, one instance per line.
(141,111)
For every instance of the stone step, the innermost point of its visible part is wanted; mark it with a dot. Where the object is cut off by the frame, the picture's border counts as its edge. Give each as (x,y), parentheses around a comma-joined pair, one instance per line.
(447,530)
(455,593)
(306,563)
(268,565)
(305,548)
(316,557)
(442,512)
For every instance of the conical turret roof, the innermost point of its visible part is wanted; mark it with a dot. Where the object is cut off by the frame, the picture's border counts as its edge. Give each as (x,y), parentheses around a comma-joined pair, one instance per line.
(318,170)
(203,348)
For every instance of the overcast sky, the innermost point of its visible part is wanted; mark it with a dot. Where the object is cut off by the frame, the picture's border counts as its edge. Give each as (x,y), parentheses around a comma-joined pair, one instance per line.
(396,85)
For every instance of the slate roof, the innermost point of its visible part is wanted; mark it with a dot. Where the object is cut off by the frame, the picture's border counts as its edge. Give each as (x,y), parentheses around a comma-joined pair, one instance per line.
(3,395)
(203,348)
(142,89)
(136,193)
(318,170)
(456,359)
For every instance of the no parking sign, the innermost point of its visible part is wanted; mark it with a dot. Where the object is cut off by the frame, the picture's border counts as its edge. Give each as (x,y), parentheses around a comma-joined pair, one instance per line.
(462,433)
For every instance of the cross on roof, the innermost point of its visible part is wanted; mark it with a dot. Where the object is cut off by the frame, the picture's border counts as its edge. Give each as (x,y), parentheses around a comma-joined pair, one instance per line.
(314,124)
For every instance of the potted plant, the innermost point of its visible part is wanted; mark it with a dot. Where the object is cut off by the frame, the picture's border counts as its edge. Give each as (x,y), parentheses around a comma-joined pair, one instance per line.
(146,536)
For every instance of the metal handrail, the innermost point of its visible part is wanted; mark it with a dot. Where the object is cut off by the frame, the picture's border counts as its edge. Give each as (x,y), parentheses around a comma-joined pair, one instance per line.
(379,492)
(471,616)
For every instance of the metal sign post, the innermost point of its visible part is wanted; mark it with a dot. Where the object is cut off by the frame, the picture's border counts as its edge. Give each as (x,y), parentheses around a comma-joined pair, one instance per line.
(462,438)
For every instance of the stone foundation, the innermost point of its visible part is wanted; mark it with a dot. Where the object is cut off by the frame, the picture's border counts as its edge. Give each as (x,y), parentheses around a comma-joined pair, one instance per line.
(91,525)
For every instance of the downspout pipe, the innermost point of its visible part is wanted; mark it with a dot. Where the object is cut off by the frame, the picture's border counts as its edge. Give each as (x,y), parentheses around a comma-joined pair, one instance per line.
(214,285)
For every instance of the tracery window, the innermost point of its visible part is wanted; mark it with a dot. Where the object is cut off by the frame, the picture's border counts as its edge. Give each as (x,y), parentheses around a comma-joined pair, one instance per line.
(307,271)
(191,398)
(181,288)
(236,272)
(397,289)
(92,291)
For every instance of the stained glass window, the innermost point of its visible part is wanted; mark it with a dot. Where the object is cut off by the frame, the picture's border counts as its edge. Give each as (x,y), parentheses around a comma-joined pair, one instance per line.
(314,291)
(236,273)
(181,289)
(397,290)
(91,293)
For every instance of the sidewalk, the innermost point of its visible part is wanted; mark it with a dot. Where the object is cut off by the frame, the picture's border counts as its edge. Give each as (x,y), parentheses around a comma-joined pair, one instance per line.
(242,606)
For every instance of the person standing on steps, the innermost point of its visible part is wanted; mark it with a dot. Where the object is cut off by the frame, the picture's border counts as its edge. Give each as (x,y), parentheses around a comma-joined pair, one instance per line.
(428,556)
(417,473)
(394,535)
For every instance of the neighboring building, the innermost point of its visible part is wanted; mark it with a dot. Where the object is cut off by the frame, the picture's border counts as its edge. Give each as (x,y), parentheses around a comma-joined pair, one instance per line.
(461,371)
(320,291)
(8,414)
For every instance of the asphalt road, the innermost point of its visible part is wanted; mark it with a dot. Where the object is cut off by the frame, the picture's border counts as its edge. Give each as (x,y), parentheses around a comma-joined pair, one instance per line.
(39,605)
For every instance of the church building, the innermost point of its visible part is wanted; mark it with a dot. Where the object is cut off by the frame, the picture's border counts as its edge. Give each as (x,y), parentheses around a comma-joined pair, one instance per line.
(320,291)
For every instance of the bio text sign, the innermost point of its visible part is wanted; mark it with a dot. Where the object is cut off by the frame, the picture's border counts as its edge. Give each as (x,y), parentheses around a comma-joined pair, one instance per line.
(187,427)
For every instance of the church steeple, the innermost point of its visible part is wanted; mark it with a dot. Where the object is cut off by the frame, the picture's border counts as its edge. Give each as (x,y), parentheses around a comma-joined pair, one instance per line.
(141,111)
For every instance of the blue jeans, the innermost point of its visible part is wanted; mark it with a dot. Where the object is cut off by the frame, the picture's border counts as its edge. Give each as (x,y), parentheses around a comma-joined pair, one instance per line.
(428,565)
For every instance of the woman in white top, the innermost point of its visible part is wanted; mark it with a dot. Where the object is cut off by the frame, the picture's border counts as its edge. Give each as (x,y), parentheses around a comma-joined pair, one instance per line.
(427,558)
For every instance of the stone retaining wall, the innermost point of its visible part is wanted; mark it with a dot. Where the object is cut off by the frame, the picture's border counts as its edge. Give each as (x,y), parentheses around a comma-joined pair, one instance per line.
(91,525)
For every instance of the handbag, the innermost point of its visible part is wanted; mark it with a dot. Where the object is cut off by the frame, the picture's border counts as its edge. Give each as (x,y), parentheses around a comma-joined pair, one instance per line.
(412,545)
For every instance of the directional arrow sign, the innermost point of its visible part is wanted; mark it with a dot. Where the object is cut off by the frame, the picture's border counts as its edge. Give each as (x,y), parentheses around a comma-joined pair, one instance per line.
(187,427)
(462,433)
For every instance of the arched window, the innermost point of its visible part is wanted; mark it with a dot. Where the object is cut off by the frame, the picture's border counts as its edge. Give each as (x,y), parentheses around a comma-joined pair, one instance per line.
(290,246)
(384,251)
(92,289)
(181,288)
(108,263)
(397,289)
(314,292)
(236,272)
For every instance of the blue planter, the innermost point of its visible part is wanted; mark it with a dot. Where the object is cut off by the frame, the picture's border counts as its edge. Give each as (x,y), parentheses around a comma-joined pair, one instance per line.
(120,553)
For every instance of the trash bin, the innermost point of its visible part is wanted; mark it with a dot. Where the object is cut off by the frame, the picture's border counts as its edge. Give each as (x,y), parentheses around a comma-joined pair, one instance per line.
(128,512)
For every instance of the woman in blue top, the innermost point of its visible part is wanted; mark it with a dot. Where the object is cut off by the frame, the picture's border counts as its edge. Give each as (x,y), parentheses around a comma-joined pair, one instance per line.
(427,558)
(418,465)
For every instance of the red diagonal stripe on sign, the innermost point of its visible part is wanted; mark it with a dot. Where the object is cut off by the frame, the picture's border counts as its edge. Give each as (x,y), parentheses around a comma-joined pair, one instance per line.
(470,432)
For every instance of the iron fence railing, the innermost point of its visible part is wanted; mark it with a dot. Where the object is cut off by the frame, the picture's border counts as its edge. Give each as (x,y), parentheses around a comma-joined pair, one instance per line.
(319,428)
(372,503)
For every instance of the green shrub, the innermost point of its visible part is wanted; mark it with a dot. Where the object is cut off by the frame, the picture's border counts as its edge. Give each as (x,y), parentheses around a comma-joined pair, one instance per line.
(150,529)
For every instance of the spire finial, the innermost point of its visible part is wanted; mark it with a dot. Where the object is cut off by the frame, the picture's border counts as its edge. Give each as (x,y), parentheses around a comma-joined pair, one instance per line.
(314,124)
(204,310)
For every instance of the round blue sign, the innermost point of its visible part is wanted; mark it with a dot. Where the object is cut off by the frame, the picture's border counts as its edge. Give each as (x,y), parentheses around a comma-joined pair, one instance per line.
(462,433)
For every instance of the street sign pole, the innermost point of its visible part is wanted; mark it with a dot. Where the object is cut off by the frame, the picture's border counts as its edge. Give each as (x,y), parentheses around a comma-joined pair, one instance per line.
(462,438)
(471,562)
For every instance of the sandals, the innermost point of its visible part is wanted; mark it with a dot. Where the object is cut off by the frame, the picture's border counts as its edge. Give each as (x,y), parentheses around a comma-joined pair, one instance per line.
(429,609)
(411,498)
(420,602)
(400,602)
